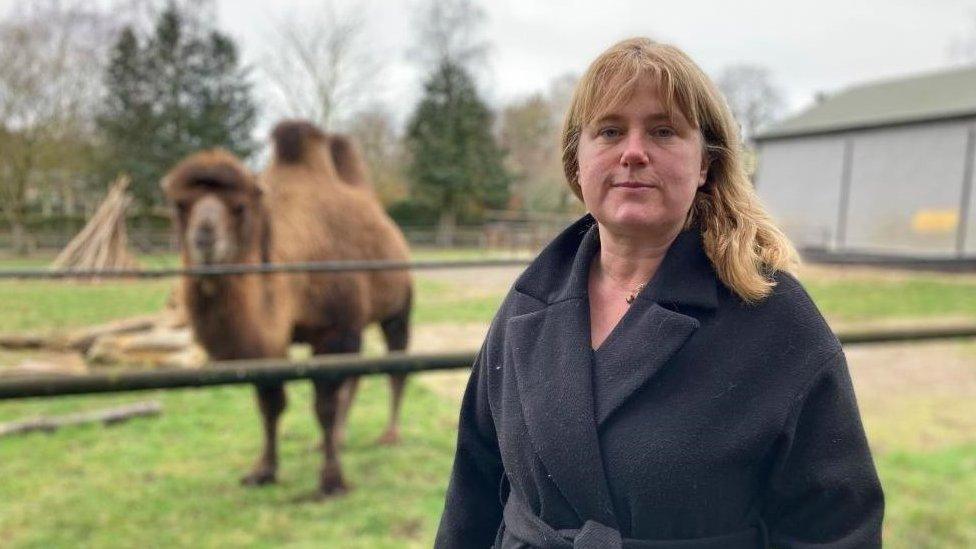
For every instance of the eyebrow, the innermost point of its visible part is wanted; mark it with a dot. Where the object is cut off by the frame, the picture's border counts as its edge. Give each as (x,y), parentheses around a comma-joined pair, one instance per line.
(654,117)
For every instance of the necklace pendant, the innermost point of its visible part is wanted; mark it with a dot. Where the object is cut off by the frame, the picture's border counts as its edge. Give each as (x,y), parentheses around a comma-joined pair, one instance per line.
(633,296)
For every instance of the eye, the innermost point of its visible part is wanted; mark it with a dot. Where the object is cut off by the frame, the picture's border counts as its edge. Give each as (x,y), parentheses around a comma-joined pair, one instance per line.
(609,132)
(237,209)
(663,132)
(182,207)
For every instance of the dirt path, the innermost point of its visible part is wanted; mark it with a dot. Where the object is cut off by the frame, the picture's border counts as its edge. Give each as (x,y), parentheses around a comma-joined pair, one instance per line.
(473,283)
(912,396)
(447,337)
(916,396)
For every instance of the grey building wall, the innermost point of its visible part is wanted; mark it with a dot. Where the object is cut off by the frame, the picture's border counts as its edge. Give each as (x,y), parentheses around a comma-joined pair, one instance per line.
(799,182)
(903,180)
(903,195)
(969,229)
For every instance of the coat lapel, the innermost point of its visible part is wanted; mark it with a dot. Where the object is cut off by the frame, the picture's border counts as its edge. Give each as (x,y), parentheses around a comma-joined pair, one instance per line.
(660,321)
(629,362)
(554,364)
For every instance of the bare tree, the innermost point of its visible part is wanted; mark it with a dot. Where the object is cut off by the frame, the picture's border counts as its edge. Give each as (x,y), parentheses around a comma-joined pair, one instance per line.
(320,66)
(751,95)
(560,94)
(50,55)
(450,31)
(530,133)
(375,130)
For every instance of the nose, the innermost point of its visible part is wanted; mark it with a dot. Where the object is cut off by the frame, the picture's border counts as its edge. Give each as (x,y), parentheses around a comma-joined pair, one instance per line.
(635,153)
(204,237)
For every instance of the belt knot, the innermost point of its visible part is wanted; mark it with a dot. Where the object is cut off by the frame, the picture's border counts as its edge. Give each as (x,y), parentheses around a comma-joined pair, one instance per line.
(594,535)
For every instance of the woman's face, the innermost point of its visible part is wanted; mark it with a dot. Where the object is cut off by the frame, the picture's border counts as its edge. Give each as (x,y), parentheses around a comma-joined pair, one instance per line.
(638,169)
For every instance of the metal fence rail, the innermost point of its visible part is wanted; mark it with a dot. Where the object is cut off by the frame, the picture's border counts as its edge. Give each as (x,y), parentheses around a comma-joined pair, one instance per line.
(906,334)
(334,367)
(239,269)
(230,372)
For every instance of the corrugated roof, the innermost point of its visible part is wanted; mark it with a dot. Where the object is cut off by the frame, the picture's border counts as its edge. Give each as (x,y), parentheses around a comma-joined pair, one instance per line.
(932,96)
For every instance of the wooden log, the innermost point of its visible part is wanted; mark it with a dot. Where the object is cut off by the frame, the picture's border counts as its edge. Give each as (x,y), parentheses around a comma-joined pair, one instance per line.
(157,348)
(24,341)
(82,340)
(107,416)
(47,363)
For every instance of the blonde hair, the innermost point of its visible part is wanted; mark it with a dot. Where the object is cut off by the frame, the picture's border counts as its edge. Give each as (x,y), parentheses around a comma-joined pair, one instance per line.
(744,245)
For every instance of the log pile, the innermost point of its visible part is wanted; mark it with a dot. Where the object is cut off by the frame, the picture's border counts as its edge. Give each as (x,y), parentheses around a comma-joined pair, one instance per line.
(157,340)
(103,242)
(166,343)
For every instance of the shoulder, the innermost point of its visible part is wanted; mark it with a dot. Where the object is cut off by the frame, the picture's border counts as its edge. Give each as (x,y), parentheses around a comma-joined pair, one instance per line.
(790,306)
(516,302)
(786,326)
(790,298)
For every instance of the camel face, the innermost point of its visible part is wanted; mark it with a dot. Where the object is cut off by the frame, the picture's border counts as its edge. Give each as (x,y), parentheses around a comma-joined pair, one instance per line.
(217,206)
(212,228)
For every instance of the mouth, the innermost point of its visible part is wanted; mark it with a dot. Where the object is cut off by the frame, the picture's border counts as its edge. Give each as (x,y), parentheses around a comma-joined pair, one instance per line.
(633,185)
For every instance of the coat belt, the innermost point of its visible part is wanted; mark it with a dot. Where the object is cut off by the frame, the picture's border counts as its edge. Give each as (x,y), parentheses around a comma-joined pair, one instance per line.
(522,523)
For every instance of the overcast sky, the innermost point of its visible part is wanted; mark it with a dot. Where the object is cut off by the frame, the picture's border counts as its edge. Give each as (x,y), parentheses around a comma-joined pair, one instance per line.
(808,46)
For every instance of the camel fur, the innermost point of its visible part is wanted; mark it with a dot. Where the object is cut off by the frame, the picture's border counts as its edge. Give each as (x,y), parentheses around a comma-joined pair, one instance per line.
(313,202)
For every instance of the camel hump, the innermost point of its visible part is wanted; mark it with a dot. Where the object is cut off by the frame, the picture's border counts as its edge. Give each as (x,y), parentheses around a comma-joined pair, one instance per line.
(348,160)
(301,142)
(212,169)
(292,140)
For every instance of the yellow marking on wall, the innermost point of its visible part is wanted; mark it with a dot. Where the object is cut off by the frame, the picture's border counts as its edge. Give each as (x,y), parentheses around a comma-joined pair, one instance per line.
(935,221)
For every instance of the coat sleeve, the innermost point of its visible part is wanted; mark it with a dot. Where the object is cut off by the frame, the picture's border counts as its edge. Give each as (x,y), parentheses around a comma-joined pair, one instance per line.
(824,490)
(473,510)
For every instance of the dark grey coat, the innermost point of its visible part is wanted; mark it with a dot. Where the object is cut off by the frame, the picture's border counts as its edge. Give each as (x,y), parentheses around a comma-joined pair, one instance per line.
(700,422)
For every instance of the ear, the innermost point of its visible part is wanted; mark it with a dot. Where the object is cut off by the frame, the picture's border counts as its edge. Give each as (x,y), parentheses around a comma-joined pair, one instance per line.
(706,163)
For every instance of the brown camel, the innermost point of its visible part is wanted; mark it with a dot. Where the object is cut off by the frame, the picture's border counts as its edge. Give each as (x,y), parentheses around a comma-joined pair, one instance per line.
(312,203)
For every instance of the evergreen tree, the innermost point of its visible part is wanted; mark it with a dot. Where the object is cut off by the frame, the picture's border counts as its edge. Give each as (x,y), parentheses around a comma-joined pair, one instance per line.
(168,95)
(456,166)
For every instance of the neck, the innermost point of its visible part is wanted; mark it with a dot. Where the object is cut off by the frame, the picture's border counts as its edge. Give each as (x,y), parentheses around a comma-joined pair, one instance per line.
(629,260)
(225,309)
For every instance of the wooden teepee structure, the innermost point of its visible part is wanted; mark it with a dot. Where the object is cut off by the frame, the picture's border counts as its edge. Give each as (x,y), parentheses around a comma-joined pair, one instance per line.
(103,242)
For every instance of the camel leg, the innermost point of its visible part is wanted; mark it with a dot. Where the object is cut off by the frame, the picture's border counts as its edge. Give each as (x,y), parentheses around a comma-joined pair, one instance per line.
(328,403)
(326,408)
(346,396)
(391,436)
(271,401)
(396,331)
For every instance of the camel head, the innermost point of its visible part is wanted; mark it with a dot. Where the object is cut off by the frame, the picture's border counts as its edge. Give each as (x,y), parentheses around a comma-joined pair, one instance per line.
(218,210)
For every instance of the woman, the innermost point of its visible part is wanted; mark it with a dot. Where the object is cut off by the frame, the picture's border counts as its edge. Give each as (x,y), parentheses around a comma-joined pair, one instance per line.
(656,378)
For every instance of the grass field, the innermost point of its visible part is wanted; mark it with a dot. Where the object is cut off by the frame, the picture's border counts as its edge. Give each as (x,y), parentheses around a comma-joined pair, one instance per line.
(172,480)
